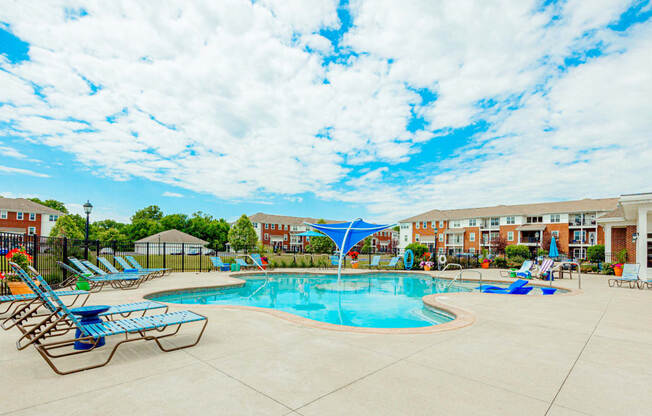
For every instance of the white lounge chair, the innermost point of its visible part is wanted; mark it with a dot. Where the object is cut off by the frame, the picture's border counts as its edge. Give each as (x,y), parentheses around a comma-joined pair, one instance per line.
(630,276)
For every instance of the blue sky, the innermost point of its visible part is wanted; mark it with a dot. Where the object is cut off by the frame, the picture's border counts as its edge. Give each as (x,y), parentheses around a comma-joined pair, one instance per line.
(328,109)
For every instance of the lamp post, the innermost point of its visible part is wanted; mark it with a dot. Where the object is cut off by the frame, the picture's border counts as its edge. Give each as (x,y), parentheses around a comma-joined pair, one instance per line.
(88,207)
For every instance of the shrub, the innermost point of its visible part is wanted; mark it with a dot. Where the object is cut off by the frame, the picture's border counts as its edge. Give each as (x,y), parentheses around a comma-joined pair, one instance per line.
(607,268)
(500,262)
(517,250)
(542,253)
(595,254)
(516,261)
(418,250)
(282,263)
(622,256)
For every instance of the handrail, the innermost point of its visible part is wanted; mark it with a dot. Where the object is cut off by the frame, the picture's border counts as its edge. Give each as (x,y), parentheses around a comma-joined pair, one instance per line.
(451,264)
(256,263)
(459,276)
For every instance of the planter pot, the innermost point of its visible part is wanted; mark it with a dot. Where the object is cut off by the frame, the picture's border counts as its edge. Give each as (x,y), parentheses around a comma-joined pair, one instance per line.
(82,284)
(19,288)
(354,264)
(485,265)
(426,268)
(618,271)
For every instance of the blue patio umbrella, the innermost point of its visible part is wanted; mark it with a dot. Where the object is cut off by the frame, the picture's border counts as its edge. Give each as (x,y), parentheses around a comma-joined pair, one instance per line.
(554,252)
(345,235)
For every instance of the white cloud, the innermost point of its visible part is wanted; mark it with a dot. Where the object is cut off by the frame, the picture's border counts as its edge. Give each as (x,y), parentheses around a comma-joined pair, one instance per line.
(224,98)
(172,194)
(19,171)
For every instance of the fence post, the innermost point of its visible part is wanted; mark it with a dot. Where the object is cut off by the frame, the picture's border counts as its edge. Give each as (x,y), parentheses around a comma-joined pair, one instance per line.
(97,252)
(64,252)
(147,254)
(183,257)
(164,255)
(115,250)
(36,250)
(200,256)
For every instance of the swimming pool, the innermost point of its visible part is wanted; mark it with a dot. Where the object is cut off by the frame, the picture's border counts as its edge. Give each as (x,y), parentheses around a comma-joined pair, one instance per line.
(371,300)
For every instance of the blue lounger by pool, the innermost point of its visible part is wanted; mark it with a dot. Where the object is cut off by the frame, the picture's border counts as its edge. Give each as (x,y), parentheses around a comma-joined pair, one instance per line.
(219,265)
(393,261)
(509,289)
(375,262)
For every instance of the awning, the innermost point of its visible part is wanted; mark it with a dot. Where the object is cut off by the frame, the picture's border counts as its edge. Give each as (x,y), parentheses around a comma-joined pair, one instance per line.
(276,239)
(531,227)
(462,231)
(13,230)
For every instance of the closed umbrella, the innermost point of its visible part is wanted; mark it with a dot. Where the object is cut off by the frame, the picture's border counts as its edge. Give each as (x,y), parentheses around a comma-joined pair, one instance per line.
(554,253)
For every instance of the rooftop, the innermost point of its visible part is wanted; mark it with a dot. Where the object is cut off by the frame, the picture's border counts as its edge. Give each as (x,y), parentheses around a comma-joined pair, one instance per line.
(172,236)
(25,205)
(285,219)
(582,205)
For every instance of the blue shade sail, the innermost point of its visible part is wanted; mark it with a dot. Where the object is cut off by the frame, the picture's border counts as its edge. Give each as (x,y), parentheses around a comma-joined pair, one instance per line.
(345,235)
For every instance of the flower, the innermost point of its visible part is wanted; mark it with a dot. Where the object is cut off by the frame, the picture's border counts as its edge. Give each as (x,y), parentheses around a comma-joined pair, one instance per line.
(2,276)
(354,254)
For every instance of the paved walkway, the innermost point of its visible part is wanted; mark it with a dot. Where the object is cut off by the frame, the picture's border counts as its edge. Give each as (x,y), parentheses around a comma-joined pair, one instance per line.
(554,355)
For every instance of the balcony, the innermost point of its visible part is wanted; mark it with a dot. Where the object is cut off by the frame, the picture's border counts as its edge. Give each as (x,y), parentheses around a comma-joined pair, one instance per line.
(588,222)
(578,242)
(530,241)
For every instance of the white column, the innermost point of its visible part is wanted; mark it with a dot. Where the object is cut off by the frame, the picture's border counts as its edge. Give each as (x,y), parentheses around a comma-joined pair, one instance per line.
(641,242)
(607,242)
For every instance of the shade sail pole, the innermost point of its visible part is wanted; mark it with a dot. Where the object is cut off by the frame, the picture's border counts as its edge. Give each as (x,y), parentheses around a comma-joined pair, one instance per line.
(339,263)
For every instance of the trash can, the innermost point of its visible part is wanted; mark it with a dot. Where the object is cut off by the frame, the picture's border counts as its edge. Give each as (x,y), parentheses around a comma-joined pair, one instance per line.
(235,267)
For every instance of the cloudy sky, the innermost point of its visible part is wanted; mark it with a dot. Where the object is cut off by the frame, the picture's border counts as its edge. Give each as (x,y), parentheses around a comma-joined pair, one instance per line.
(326,108)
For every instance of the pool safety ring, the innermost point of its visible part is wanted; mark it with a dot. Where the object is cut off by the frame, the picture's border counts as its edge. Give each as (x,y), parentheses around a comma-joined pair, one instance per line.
(408,259)
(441,259)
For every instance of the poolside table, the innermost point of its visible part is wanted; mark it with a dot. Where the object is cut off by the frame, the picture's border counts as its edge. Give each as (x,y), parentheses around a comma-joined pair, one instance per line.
(89,315)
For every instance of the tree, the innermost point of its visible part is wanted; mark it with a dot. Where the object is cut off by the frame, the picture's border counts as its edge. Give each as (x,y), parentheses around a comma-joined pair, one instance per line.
(142,228)
(51,203)
(366,246)
(175,222)
(546,239)
(208,228)
(595,254)
(498,244)
(242,235)
(321,244)
(518,250)
(417,249)
(111,234)
(71,226)
(152,212)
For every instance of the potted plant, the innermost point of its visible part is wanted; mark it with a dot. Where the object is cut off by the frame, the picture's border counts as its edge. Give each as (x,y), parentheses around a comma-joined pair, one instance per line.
(621,257)
(427,265)
(354,259)
(484,259)
(22,259)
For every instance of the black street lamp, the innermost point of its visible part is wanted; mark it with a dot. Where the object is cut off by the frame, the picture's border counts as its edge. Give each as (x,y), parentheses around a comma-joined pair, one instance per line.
(88,207)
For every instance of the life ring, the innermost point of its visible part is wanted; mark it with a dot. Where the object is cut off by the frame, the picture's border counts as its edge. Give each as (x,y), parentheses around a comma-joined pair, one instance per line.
(408,259)
(441,259)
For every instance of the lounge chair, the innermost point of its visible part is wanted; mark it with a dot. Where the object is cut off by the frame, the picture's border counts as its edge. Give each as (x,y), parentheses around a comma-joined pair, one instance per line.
(217,264)
(243,264)
(335,260)
(21,317)
(110,267)
(97,283)
(144,328)
(98,271)
(545,267)
(524,271)
(393,262)
(258,261)
(516,288)
(630,276)
(159,271)
(647,282)
(375,262)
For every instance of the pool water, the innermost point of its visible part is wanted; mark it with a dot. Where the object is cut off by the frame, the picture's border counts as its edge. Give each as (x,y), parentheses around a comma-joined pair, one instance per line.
(372,300)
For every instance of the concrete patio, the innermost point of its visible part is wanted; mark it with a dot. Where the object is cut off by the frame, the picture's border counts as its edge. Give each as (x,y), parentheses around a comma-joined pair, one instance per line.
(587,354)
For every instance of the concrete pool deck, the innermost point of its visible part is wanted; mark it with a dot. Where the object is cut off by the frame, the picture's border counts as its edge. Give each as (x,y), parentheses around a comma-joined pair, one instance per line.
(535,355)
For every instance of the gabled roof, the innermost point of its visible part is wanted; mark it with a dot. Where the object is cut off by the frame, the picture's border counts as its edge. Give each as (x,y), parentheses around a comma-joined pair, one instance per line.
(582,205)
(284,219)
(172,236)
(25,205)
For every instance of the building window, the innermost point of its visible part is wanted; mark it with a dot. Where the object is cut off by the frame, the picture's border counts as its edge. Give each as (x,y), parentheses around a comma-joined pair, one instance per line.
(54,218)
(416,237)
(555,234)
(532,220)
(31,230)
(3,215)
(472,250)
(285,237)
(255,224)
(434,224)
(441,224)
(424,225)
(405,238)
(510,220)
(266,236)
(471,236)
(494,222)
(32,216)
(472,222)
(273,226)
(416,225)
(555,218)
(19,216)
(441,238)
(510,236)
(441,250)
(266,226)
(456,224)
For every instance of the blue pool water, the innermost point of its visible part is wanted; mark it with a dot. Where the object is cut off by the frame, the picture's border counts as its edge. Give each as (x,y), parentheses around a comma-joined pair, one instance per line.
(374,300)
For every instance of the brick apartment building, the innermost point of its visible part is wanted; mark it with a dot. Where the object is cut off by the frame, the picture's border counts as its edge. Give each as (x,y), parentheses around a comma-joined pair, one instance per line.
(279,232)
(573,223)
(22,216)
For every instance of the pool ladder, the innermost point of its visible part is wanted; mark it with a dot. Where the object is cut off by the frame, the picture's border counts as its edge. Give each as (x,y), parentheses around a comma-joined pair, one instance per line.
(460,275)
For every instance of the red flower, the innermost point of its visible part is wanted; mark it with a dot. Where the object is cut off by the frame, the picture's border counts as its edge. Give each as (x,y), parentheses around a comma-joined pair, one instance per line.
(2,276)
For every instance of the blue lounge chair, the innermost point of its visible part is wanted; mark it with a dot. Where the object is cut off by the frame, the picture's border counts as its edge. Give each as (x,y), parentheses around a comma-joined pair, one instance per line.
(516,288)
(91,335)
(335,260)
(159,271)
(243,264)
(258,261)
(217,263)
(22,316)
(393,262)
(375,262)
(110,267)
(98,271)
(630,276)
(97,283)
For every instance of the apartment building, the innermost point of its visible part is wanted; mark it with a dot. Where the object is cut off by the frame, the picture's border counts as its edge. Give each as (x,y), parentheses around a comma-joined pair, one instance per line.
(22,216)
(280,232)
(573,223)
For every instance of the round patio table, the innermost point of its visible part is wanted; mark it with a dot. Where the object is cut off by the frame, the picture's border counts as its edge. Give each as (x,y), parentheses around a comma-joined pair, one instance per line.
(89,315)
